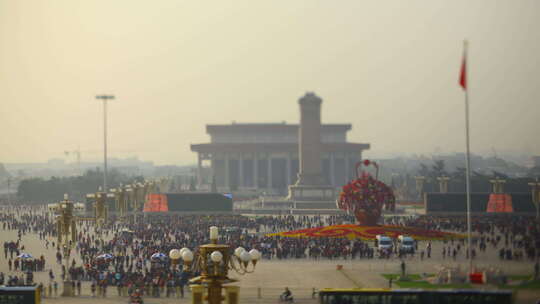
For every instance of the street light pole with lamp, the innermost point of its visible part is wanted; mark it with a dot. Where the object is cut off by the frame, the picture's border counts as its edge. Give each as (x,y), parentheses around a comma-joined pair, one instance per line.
(498,185)
(535,192)
(67,236)
(214,262)
(100,209)
(136,196)
(121,196)
(420,180)
(105,98)
(443,183)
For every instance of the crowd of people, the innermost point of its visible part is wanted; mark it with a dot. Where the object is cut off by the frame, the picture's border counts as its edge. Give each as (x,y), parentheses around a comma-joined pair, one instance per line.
(120,255)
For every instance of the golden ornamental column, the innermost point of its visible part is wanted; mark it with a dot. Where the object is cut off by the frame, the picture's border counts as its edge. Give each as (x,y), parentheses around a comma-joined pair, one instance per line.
(233,294)
(197,292)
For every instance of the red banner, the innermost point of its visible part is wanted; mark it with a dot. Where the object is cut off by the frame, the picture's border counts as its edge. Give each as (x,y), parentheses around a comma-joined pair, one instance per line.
(156,203)
(499,202)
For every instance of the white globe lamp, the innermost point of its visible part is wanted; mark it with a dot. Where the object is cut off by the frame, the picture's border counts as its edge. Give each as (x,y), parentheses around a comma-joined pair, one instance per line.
(216,256)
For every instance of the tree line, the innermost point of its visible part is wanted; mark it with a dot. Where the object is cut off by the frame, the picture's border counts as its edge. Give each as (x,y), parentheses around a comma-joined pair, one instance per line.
(40,190)
(480,182)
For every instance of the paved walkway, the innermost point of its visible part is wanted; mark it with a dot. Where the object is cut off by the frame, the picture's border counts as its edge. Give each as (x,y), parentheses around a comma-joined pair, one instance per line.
(300,275)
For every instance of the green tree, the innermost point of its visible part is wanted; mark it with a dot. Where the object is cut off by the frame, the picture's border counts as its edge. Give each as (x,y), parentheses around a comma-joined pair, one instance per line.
(39,190)
(438,168)
(424,170)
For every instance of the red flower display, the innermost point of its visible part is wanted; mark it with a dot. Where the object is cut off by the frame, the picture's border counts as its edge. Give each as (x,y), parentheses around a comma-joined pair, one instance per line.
(368,232)
(366,196)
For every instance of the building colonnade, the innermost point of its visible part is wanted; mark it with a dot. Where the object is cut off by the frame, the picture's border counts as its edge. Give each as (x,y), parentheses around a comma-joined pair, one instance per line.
(273,171)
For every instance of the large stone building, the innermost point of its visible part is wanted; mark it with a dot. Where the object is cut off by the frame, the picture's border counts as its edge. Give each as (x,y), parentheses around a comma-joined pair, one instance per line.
(265,155)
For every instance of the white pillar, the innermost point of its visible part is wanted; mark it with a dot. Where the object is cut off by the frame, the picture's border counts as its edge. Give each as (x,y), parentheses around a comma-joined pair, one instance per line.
(331,169)
(358,160)
(213,167)
(269,172)
(199,169)
(255,170)
(347,168)
(241,171)
(288,170)
(227,184)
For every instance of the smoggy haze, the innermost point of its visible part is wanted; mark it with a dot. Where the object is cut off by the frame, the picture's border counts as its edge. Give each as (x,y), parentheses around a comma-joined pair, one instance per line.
(388,67)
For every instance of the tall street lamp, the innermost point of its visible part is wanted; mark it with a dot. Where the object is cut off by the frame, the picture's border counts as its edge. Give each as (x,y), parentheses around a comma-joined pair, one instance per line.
(213,261)
(420,180)
(67,236)
(443,183)
(121,197)
(498,185)
(535,191)
(101,213)
(105,98)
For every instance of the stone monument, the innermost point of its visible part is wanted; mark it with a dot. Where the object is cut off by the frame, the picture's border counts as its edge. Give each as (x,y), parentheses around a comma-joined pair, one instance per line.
(310,188)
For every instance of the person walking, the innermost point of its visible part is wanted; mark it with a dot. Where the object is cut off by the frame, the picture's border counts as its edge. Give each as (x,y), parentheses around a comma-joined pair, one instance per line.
(93,289)
(177,289)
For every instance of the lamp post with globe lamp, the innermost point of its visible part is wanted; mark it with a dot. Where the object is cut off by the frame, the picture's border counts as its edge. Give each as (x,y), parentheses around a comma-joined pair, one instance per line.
(67,236)
(420,180)
(214,261)
(535,195)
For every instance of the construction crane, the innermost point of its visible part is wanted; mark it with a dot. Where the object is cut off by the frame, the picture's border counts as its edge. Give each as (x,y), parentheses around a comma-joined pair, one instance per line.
(78,155)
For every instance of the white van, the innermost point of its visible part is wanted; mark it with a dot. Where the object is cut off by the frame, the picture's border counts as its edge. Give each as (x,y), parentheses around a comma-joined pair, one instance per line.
(406,244)
(384,243)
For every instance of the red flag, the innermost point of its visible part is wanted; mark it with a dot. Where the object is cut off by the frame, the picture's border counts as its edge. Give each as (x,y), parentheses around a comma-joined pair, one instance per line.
(463,75)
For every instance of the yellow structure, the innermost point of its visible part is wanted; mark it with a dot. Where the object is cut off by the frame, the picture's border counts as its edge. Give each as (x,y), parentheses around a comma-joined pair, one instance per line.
(214,261)
(100,208)
(67,237)
(126,198)
(121,198)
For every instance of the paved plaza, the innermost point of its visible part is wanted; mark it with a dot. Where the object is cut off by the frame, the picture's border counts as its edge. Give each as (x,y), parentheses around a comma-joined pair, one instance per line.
(271,276)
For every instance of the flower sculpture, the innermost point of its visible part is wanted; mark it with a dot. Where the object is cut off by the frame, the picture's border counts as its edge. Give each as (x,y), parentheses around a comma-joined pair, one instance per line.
(366,196)
(368,232)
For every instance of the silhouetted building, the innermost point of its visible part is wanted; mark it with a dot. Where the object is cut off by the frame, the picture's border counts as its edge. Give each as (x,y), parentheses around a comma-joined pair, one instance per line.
(265,156)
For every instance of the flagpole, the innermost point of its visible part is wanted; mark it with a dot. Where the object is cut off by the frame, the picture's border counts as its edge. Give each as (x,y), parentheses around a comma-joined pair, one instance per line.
(468,161)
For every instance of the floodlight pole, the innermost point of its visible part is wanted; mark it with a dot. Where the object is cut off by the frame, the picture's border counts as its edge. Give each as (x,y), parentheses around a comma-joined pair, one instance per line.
(105,98)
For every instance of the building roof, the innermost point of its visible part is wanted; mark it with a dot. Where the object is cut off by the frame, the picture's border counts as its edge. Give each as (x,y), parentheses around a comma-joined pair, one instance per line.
(271,127)
(274,147)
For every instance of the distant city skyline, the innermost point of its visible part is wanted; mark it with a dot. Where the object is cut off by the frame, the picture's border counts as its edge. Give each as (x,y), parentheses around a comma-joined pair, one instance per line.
(97,157)
(391,69)
(519,159)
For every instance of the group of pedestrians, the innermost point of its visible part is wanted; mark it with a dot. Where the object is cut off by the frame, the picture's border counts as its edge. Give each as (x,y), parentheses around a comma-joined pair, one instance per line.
(121,256)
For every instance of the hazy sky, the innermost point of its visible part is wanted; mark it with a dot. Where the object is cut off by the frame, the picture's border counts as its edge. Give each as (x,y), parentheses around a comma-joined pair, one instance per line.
(388,67)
